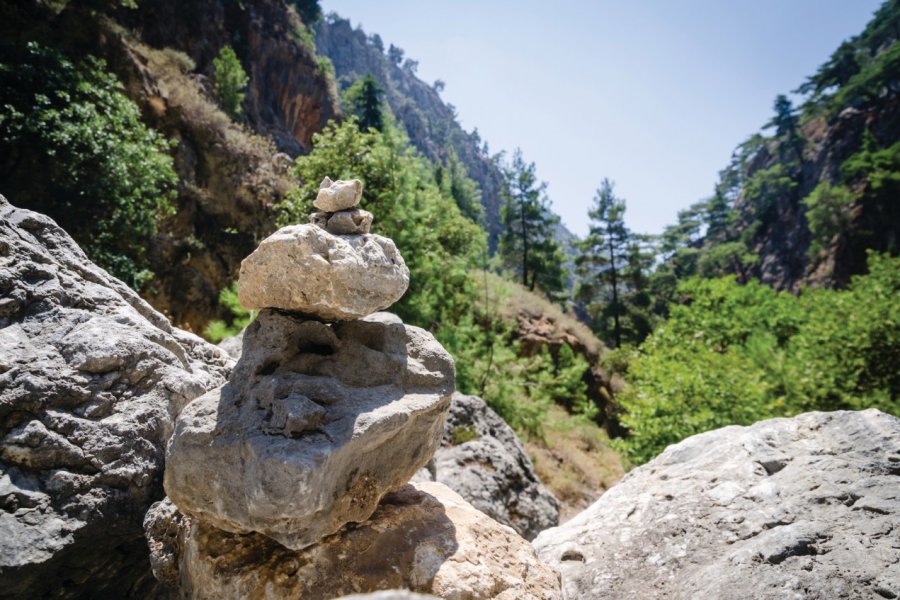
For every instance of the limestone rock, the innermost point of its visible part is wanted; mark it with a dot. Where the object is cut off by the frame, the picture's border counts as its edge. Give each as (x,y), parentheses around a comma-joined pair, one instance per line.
(390,595)
(91,378)
(786,508)
(345,222)
(233,345)
(316,424)
(424,538)
(302,268)
(338,195)
(482,459)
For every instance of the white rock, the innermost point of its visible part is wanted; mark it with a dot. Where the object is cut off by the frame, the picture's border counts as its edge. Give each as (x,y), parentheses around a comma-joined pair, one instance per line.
(786,508)
(302,268)
(316,424)
(338,195)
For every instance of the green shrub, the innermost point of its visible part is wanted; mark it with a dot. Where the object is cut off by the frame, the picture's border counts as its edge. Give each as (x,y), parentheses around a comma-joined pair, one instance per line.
(239,317)
(735,354)
(462,434)
(74,147)
(229,81)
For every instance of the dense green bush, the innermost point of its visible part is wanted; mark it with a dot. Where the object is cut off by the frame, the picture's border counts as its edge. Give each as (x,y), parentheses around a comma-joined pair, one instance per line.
(229,81)
(735,354)
(73,146)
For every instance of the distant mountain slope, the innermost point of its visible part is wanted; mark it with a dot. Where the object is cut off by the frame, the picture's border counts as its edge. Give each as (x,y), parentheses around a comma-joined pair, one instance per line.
(429,121)
(810,199)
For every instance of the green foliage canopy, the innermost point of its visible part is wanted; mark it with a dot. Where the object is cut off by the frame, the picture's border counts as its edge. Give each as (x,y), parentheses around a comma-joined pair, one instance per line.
(74,147)
(229,80)
(735,354)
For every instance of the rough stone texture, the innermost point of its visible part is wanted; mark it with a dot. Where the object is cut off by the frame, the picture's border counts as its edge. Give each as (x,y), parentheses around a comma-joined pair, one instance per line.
(316,424)
(90,381)
(303,268)
(345,222)
(492,471)
(424,538)
(786,508)
(338,195)
(390,595)
(233,345)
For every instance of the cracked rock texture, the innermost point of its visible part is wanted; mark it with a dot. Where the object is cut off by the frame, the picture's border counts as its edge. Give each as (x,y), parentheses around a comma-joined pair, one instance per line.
(317,423)
(305,269)
(807,507)
(492,469)
(91,379)
(423,537)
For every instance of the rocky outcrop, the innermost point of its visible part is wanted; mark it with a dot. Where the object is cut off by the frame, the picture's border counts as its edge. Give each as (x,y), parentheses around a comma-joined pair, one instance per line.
(803,507)
(423,538)
(305,269)
(482,459)
(317,423)
(91,379)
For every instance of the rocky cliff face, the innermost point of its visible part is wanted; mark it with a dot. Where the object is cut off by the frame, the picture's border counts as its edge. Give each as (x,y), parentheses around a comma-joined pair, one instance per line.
(782,237)
(91,379)
(230,174)
(289,97)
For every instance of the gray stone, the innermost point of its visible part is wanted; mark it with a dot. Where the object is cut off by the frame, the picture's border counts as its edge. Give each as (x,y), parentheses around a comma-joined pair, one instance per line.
(91,379)
(316,424)
(345,222)
(338,195)
(302,268)
(424,538)
(807,507)
(492,470)
(233,345)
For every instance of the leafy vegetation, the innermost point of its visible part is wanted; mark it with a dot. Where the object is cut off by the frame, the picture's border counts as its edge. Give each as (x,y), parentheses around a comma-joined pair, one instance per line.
(104,176)
(415,204)
(229,80)
(238,317)
(735,354)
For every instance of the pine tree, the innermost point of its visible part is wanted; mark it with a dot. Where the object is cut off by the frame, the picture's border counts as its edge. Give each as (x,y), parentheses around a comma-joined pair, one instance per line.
(527,244)
(603,255)
(363,99)
(229,81)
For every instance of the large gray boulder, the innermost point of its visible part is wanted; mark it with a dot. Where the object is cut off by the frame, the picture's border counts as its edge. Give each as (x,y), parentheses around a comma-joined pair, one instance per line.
(482,459)
(807,507)
(316,424)
(423,537)
(91,379)
(305,269)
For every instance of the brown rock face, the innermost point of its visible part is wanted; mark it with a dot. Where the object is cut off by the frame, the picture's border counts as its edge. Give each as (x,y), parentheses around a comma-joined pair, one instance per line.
(423,537)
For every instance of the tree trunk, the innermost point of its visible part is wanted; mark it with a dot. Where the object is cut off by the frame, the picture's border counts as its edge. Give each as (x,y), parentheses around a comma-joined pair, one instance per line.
(615,288)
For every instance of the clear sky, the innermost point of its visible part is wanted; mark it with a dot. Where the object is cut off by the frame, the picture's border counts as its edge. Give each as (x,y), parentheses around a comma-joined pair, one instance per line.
(654,94)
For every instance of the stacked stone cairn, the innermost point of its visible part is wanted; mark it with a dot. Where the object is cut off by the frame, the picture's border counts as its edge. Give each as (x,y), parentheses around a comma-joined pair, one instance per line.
(276,476)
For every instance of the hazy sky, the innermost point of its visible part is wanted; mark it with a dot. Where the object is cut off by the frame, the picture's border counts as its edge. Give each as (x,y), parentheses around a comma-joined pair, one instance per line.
(654,94)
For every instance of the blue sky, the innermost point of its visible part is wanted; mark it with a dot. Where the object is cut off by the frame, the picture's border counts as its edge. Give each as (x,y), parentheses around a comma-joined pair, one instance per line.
(654,94)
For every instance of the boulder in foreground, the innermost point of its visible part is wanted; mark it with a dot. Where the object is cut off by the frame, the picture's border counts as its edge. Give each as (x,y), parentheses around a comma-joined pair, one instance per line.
(316,424)
(482,459)
(424,538)
(91,378)
(807,507)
